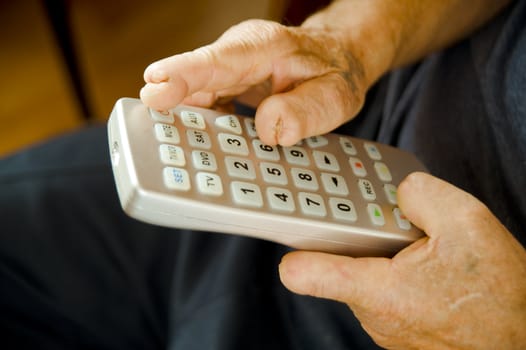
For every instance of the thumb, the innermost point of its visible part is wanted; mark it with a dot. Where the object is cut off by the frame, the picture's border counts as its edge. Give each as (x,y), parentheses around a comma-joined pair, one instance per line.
(354,281)
(434,205)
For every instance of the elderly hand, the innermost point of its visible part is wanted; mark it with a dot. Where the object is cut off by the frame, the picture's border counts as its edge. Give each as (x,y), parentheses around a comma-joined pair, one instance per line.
(293,73)
(462,287)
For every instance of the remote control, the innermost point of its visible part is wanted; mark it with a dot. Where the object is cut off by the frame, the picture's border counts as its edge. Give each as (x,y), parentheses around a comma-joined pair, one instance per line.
(200,169)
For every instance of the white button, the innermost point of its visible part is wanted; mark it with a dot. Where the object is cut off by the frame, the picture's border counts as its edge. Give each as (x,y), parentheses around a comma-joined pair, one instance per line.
(390,193)
(229,123)
(198,138)
(296,155)
(204,160)
(240,167)
(265,151)
(357,167)
(209,184)
(317,141)
(165,117)
(383,172)
(305,179)
(343,209)
(250,126)
(401,220)
(280,199)
(372,151)
(273,173)
(367,190)
(166,133)
(326,161)
(347,146)
(233,144)
(193,119)
(172,155)
(246,194)
(375,214)
(312,204)
(334,184)
(176,179)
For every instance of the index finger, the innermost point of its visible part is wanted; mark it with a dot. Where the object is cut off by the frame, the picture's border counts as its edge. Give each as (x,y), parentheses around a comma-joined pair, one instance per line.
(241,57)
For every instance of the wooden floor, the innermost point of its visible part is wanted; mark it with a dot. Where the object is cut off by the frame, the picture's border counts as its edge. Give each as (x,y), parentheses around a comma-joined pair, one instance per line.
(114,41)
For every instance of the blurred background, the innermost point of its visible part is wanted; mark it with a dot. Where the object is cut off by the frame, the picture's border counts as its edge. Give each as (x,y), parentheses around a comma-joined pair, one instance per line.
(64,63)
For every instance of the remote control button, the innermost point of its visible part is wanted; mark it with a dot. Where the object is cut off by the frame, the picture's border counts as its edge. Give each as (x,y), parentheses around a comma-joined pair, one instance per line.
(176,179)
(198,139)
(166,133)
(172,155)
(334,184)
(348,146)
(240,167)
(166,117)
(375,214)
(229,123)
(357,167)
(305,179)
(296,155)
(280,199)
(317,141)
(383,172)
(233,144)
(250,126)
(326,161)
(401,220)
(246,194)
(390,193)
(367,190)
(193,119)
(204,160)
(343,209)
(312,204)
(265,151)
(273,173)
(372,151)
(209,184)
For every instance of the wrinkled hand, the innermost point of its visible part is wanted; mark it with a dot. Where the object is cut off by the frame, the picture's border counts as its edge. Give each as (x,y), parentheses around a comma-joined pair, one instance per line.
(303,81)
(462,287)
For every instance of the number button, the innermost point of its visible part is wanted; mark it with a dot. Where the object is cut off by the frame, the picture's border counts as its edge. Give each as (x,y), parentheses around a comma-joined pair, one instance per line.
(304,179)
(312,204)
(240,167)
(326,161)
(296,155)
(166,133)
(193,119)
(265,151)
(198,139)
(343,209)
(246,194)
(280,199)
(233,144)
(273,173)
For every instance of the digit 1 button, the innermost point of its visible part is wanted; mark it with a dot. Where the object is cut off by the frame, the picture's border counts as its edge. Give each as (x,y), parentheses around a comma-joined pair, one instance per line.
(246,194)
(375,214)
